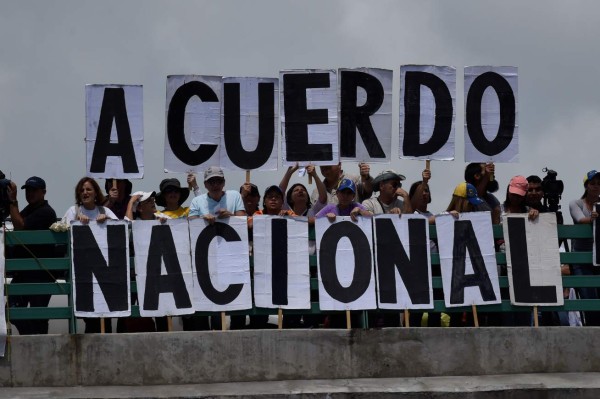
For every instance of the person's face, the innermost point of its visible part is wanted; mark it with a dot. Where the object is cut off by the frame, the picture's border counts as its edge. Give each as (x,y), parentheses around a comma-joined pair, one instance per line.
(331,172)
(214,184)
(273,202)
(535,193)
(516,199)
(251,203)
(389,187)
(426,195)
(87,195)
(345,197)
(34,195)
(172,195)
(147,208)
(299,195)
(121,186)
(593,188)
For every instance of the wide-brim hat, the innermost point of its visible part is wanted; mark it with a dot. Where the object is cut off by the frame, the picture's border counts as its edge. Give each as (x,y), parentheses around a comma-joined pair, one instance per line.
(184,193)
(386,175)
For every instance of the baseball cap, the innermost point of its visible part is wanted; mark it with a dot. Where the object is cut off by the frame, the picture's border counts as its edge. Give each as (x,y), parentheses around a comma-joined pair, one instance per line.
(518,185)
(34,182)
(468,191)
(213,171)
(347,184)
(589,176)
(273,188)
(143,197)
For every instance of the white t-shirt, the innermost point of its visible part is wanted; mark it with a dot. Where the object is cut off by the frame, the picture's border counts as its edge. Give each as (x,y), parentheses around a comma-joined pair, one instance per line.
(92,214)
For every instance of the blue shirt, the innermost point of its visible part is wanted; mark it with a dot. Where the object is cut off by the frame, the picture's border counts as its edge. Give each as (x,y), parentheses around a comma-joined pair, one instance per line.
(204,205)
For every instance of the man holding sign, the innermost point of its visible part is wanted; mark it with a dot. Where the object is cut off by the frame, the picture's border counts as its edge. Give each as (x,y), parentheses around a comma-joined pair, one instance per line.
(333,175)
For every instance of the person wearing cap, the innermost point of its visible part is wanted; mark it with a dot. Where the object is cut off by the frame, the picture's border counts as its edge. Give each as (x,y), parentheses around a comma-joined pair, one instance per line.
(389,185)
(465,199)
(142,206)
(272,204)
(345,205)
(480,175)
(584,211)
(297,197)
(171,197)
(516,198)
(333,175)
(216,203)
(37,215)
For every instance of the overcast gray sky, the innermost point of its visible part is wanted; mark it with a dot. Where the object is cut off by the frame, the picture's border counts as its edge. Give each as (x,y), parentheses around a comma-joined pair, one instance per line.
(50,50)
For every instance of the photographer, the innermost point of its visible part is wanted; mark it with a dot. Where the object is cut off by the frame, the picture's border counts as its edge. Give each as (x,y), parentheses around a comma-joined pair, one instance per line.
(37,215)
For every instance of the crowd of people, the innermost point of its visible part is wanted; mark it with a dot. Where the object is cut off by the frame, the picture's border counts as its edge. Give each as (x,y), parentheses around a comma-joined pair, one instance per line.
(336,194)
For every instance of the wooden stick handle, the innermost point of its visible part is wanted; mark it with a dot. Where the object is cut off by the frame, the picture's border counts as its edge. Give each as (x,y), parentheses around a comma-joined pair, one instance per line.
(348,320)
(475,318)
(223,322)
(406,318)
(428,164)
(279,318)
(114,183)
(247,176)
(309,179)
(535,317)
(102,326)
(169,323)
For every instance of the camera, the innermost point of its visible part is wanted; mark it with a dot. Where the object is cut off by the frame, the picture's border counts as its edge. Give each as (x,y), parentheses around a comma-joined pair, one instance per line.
(553,189)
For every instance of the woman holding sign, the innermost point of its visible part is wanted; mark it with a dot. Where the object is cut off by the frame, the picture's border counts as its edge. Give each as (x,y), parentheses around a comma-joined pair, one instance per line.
(584,211)
(88,200)
(88,206)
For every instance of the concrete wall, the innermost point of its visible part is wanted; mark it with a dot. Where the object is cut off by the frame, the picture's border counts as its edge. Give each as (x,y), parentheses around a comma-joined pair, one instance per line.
(200,357)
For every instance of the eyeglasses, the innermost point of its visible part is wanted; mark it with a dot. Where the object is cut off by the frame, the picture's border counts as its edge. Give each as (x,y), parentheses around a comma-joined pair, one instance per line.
(395,183)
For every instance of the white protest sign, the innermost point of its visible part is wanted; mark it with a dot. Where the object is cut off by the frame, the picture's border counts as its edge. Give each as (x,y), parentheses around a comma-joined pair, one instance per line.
(365,114)
(309,117)
(491,111)
(345,262)
(427,111)
(468,259)
(193,123)
(221,264)
(403,262)
(249,123)
(114,134)
(101,278)
(533,260)
(281,262)
(163,267)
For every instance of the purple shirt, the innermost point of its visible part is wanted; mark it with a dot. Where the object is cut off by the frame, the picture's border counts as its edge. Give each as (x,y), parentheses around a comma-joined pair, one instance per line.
(333,208)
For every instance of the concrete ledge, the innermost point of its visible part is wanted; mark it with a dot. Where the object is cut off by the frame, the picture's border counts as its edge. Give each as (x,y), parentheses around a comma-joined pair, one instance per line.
(529,386)
(271,355)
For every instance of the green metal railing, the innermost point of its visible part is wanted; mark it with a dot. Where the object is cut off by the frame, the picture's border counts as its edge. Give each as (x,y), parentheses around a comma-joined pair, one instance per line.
(63,266)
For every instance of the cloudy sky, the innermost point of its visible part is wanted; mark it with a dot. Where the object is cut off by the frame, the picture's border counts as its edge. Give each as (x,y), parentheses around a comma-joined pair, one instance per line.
(50,50)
